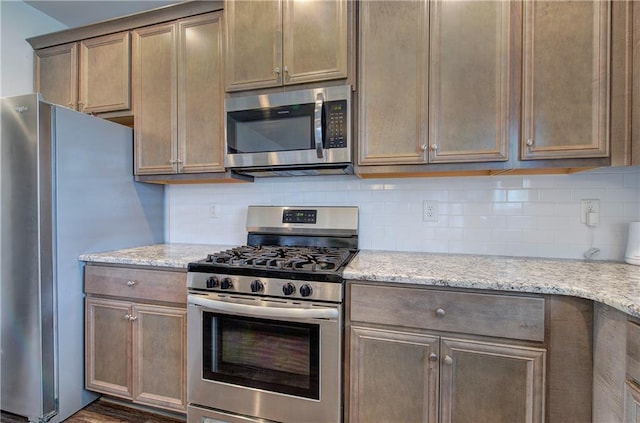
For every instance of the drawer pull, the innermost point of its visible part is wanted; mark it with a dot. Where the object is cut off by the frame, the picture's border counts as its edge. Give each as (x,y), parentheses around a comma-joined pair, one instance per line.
(131,283)
(433,357)
(448,360)
(440,313)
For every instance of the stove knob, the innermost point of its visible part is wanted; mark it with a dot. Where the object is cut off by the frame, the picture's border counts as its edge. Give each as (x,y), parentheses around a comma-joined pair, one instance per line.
(213,282)
(226,283)
(257,286)
(306,290)
(288,288)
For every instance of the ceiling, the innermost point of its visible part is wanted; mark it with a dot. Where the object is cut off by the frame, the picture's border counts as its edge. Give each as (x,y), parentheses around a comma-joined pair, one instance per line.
(74,13)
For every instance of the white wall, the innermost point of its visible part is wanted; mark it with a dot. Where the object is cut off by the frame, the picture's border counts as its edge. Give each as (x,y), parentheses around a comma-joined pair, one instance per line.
(535,216)
(19,21)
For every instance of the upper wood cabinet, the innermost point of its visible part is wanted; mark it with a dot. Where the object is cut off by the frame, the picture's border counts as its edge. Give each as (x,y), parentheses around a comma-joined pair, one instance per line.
(566,82)
(92,76)
(435,81)
(56,74)
(281,42)
(178,94)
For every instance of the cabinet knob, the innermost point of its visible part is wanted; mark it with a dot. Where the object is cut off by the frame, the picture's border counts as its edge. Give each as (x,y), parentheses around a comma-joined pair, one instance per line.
(277,70)
(448,360)
(434,147)
(131,283)
(130,317)
(440,312)
(529,143)
(433,357)
(423,147)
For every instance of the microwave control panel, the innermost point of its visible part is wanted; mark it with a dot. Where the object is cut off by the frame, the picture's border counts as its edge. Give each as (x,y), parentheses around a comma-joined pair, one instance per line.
(336,124)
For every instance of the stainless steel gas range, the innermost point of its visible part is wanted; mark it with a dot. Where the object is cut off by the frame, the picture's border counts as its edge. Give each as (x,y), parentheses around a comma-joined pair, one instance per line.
(265,320)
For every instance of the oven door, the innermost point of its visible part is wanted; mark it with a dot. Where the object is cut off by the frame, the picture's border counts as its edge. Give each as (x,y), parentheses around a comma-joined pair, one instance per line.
(266,358)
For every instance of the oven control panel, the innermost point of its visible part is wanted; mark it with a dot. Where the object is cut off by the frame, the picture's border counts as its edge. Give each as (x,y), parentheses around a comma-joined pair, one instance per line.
(270,287)
(299,216)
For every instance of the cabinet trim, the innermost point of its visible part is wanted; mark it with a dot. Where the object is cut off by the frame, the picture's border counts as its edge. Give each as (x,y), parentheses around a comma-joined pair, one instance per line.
(126,23)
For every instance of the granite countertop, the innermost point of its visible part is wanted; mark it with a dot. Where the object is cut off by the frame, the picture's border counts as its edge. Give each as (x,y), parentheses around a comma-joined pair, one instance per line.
(158,255)
(614,284)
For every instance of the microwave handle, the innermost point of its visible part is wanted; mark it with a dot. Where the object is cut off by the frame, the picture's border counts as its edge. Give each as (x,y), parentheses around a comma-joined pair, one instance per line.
(258,311)
(317,121)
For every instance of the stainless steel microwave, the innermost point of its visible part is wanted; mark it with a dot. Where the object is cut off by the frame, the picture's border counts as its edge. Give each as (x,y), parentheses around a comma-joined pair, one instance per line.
(305,132)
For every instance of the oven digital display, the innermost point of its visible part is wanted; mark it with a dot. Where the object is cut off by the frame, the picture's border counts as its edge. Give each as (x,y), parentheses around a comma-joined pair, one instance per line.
(300,216)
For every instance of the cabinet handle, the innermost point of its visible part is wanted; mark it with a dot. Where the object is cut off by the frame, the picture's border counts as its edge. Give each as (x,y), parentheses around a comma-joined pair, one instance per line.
(440,313)
(130,317)
(286,73)
(423,147)
(127,316)
(434,147)
(448,360)
(433,357)
(131,283)
(529,143)
(277,71)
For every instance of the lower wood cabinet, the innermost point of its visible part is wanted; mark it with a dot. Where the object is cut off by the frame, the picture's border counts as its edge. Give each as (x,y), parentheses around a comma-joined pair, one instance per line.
(438,355)
(412,377)
(135,350)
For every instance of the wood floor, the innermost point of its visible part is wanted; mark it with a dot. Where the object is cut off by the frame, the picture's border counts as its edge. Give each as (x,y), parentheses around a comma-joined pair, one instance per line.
(103,411)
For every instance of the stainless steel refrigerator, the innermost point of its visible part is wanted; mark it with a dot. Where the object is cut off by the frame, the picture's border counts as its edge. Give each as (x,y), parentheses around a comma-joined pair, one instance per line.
(67,188)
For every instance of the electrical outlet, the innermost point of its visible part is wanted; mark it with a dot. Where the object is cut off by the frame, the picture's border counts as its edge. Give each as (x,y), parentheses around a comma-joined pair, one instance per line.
(213,211)
(589,206)
(429,211)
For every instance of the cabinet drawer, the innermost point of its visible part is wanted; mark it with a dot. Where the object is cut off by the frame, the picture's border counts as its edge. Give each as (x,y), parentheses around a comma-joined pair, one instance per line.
(633,351)
(153,285)
(480,314)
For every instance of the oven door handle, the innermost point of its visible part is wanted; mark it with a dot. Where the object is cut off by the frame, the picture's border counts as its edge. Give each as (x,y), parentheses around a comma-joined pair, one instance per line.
(258,311)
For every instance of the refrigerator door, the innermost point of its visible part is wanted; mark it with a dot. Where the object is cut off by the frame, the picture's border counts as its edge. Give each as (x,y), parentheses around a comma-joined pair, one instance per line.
(28,372)
(98,207)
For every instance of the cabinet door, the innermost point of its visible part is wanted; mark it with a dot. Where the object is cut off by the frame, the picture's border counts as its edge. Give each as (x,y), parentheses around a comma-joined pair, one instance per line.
(200,94)
(491,383)
(314,40)
(56,74)
(394,377)
(108,347)
(105,64)
(631,403)
(254,44)
(155,99)
(469,80)
(566,79)
(159,356)
(392,99)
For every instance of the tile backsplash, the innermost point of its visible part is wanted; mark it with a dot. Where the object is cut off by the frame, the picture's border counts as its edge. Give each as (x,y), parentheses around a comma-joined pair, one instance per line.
(537,216)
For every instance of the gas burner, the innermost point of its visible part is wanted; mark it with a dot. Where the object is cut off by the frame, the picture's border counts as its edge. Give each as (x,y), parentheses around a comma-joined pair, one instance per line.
(307,259)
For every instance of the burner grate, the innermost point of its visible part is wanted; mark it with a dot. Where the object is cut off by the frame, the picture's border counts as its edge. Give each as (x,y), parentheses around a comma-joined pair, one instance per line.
(307,259)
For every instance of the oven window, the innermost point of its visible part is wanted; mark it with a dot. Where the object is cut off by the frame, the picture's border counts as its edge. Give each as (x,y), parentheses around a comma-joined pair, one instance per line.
(266,130)
(264,354)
